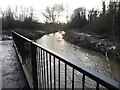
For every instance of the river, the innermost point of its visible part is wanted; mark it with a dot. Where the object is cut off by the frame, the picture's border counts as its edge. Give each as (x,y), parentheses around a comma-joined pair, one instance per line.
(80,56)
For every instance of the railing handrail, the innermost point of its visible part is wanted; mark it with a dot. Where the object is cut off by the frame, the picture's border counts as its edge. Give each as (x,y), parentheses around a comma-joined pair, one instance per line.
(101,79)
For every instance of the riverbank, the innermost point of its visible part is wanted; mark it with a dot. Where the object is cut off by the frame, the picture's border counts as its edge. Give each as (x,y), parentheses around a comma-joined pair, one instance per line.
(108,48)
(31,34)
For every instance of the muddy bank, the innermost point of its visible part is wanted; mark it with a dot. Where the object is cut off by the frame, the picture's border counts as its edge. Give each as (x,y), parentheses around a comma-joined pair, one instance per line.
(108,48)
(31,34)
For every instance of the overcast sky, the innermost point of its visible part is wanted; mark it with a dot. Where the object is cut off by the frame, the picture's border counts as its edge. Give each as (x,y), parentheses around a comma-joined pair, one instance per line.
(39,5)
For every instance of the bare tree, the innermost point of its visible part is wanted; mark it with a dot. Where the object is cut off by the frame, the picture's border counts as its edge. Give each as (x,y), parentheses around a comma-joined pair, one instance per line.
(92,14)
(53,13)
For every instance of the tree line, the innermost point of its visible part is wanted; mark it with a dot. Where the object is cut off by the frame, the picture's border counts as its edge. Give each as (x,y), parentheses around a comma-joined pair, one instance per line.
(22,20)
(105,22)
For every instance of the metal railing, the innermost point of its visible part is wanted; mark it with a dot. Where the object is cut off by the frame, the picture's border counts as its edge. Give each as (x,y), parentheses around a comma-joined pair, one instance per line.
(49,70)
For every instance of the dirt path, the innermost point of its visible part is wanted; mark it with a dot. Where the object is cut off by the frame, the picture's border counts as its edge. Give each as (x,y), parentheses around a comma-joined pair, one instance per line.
(12,74)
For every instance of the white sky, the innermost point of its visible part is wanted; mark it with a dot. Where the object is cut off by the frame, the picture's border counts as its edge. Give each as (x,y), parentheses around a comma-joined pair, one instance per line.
(40,5)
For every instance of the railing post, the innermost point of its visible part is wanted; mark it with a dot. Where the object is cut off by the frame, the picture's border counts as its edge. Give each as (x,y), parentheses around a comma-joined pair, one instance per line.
(34,66)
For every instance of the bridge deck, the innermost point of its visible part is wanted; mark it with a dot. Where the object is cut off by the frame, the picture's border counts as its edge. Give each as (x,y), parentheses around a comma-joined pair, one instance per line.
(11,74)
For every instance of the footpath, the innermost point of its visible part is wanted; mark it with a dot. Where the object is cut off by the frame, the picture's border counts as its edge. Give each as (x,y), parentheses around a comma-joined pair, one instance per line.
(11,73)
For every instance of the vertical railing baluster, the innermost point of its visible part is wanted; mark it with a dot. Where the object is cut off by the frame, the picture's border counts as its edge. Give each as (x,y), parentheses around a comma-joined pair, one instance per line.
(59,74)
(47,70)
(83,82)
(97,87)
(23,52)
(65,76)
(44,69)
(73,79)
(34,66)
(20,47)
(54,75)
(38,66)
(40,75)
(50,72)
(40,69)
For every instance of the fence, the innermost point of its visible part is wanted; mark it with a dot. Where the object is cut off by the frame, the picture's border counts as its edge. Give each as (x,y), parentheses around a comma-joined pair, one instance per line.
(47,70)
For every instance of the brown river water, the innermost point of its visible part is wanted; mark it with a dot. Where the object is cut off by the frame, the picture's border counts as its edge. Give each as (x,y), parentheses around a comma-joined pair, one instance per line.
(80,56)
